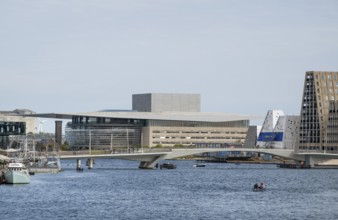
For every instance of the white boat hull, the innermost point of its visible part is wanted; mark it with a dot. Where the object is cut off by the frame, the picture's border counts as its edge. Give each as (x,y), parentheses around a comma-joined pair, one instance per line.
(17,177)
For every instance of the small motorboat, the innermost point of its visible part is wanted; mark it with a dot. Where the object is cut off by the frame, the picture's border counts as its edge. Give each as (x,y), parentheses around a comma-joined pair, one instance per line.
(199,165)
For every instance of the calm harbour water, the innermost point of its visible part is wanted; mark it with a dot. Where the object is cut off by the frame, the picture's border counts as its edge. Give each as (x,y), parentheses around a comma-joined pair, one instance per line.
(117,189)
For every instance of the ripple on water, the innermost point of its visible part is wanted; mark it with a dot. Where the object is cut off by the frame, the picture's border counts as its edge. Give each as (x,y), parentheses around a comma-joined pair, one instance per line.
(116,189)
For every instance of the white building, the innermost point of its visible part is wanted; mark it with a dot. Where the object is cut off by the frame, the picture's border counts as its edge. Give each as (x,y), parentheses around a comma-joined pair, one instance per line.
(279,131)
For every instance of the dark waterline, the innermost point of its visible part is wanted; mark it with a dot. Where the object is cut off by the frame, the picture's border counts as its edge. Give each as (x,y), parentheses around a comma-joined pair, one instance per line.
(116,189)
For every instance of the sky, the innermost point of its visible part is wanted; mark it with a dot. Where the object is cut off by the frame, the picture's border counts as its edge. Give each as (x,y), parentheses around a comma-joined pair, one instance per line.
(241,56)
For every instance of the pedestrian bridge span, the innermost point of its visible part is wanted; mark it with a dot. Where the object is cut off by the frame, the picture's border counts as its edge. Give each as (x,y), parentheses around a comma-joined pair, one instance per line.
(149,159)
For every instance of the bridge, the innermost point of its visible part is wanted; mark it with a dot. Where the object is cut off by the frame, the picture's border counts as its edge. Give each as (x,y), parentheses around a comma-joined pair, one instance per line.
(148,159)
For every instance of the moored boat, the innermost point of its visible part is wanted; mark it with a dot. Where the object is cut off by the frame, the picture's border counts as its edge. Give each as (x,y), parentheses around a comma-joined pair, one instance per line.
(17,173)
(199,165)
(50,164)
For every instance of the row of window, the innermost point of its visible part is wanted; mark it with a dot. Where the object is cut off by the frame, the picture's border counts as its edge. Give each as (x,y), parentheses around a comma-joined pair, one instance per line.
(329,83)
(197,132)
(312,140)
(12,128)
(324,76)
(102,120)
(228,138)
(196,144)
(318,148)
(170,123)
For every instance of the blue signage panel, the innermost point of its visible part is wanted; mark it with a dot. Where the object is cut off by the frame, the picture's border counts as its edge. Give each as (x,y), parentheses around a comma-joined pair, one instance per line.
(270,136)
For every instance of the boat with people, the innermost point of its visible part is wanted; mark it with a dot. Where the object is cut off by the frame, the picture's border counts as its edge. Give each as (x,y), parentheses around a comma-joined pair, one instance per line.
(259,187)
(17,173)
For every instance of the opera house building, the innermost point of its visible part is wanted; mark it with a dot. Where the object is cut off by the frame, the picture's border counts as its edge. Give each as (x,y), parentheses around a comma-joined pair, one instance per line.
(156,120)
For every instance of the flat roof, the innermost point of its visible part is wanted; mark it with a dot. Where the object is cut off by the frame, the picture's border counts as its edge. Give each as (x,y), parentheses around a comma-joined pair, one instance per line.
(173,116)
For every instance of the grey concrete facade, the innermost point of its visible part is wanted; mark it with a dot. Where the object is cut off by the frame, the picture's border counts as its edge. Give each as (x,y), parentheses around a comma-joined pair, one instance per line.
(166,102)
(251,137)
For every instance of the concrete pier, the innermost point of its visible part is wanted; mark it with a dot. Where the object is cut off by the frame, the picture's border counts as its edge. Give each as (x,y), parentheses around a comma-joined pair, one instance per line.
(2,177)
(90,163)
(78,164)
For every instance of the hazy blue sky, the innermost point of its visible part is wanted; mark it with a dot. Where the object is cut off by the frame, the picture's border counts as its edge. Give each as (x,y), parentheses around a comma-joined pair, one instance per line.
(242,56)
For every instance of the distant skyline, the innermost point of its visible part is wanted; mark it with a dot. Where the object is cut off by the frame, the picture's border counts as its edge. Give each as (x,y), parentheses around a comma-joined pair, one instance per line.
(242,56)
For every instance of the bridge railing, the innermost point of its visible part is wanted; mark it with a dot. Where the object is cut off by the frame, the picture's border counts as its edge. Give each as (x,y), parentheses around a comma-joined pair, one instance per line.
(116,151)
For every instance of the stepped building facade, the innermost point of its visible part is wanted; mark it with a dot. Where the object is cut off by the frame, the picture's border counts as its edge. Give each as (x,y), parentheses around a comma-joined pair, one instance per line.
(319,113)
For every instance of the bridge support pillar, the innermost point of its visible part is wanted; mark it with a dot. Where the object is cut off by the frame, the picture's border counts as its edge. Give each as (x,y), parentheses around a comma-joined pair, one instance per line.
(149,164)
(309,160)
(90,163)
(78,164)
(144,165)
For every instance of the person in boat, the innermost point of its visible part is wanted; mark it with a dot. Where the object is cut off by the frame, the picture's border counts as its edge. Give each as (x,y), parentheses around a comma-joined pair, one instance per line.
(262,186)
(256,186)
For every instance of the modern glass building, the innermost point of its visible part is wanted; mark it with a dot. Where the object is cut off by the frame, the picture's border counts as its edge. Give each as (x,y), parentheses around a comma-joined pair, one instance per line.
(156,120)
(111,130)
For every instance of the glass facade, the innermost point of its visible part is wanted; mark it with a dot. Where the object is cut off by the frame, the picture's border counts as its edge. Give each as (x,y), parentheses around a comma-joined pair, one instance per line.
(103,133)
(12,128)
(110,133)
